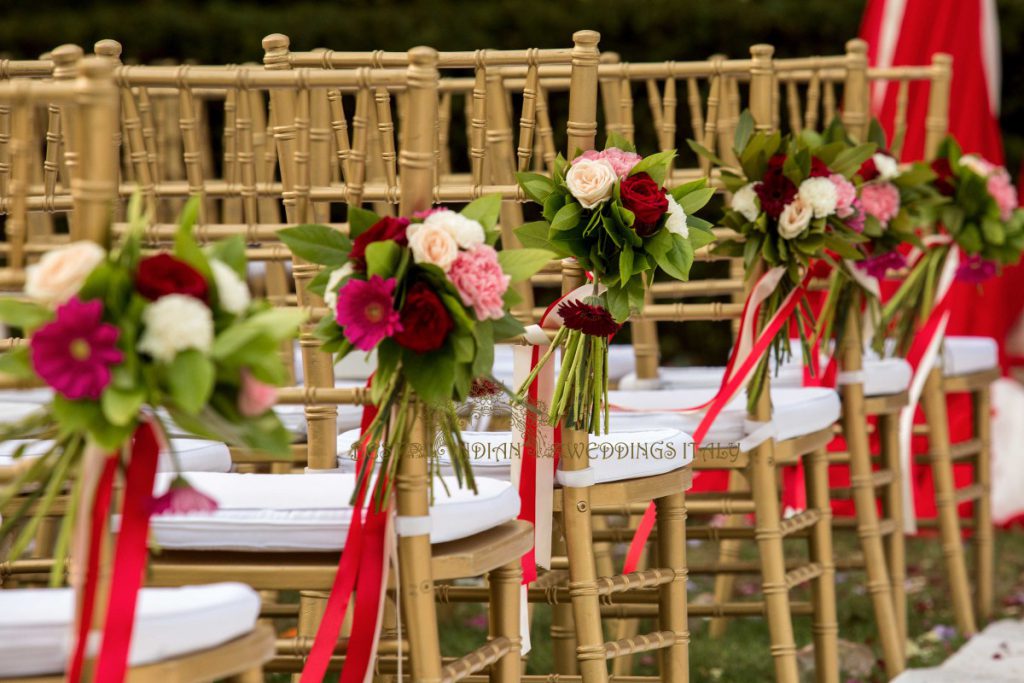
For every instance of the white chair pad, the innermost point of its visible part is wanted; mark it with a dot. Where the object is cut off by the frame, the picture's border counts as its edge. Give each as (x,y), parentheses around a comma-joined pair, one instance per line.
(797,411)
(194,455)
(311,512)
(629,453)
(35,624)
(964,355)
(621,362)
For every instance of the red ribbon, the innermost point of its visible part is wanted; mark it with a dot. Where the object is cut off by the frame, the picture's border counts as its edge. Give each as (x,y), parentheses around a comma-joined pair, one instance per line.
(129,557)
(360,570)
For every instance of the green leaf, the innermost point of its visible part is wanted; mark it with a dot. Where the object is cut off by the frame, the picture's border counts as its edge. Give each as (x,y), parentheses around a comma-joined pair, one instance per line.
(744,129)
(696,200)
(876,134)
(848,161)
(483,362)
(190,379)
(432,375)
(521,264)
(535,235)
(616,139)
(75,416)
(231,252)
(625,264)
(618,302)
(536,186)
(121,406)
(185,246)
(359,221)
(655,165)
(703,151)
(507,328)
(23,314)
(567,218)
(382,258)
(277,324)
(317,244)
(484,210)
(318,285)
(17,363)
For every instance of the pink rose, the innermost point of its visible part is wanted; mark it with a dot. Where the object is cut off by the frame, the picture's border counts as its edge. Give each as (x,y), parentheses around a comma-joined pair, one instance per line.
(846,194)
(881,200)
(1003,191)
(255,397)
(481,283)
(432,244)
(622,161)
(60,273)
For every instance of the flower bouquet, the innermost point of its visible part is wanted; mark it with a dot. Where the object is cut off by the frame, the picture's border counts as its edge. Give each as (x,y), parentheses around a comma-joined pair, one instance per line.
(976,210)
(431,295)
(792,203)
(610,211)
(119,337)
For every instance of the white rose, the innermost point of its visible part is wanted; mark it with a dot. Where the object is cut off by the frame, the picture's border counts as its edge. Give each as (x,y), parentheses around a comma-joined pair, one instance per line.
(468,233)
(977,164)
(331,291)
(591,181)
(820,195)
(232,292)
(676,220)
(887,167)
(60,273)
(433,244)
(794,218)
(746,202)
(174,323)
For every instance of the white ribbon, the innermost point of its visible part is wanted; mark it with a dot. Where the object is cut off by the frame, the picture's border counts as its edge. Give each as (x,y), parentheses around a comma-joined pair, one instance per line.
(412,526)
(757,434)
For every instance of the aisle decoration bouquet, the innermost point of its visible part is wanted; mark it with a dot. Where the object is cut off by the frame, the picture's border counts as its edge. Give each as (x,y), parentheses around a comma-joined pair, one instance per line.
(609,210)
(430,295)
(976,210)
(792,203)
(120,337)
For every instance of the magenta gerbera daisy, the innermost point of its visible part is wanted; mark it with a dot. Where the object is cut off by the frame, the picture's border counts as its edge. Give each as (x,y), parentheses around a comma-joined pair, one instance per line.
(588,318)
(366,311)
(74,353)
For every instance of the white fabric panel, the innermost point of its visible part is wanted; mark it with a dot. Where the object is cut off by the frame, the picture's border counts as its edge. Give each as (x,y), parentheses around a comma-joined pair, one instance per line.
(964,355)
(797,411)
(194,455)
(35,624)
(631,451)
(311,512)
(1007,436)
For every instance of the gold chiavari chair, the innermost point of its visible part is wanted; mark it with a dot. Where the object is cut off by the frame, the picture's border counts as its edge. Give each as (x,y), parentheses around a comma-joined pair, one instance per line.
(235,652)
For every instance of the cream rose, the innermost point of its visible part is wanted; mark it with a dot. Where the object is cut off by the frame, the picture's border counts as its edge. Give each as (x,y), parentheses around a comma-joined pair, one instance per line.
(60,273)
(331,290)
(432,244)
(745,201)
(591,181)
(794,218)
(468,233)
(676,220)
(820,195)
(232,292)
(887,167)
(174,323)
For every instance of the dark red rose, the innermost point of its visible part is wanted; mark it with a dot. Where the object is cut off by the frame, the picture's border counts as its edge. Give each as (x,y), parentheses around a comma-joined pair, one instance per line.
(645,198)
(819,169)
(868,171)
(590,319)
(425,320)
(164,274)
(775,190)
(386,228)
(944,181)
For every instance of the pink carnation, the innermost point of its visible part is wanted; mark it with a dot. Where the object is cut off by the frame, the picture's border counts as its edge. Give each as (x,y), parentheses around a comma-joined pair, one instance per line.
(855,221)
(1003,191)
(422,215)
(846,195)
(881,200)
(481,283)
(255,397)
(621,160)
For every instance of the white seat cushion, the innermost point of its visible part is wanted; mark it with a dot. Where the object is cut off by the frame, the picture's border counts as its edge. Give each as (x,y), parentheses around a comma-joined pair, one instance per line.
(194,455)
(964,355)
(621,362)
(36,396)
(628,453)
(311,512)
(35,624)
(797,411)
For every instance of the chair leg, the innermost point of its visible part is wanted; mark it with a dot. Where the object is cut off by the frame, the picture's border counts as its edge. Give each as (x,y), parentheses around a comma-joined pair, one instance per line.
(868,531)
(627,628)
(892,499)
(823,596)
(728,552)
(563,631)
(984,548)
(251,676)
(934,403)
(312,605)
(773,562)
(672,607)
(504,585)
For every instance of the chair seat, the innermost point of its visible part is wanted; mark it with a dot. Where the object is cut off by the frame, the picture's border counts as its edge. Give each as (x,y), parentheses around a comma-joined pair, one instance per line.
(797,412)
(966,355)
(193,455)
(621,362)
(629,453)
(35,624)
(311,512)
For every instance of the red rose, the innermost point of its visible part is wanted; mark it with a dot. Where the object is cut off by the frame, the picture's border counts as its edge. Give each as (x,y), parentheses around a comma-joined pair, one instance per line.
(819,169)
(775,190)
(386,228)
(944,181)
(868,171)
(425,320)
(164,274)
(645,198)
